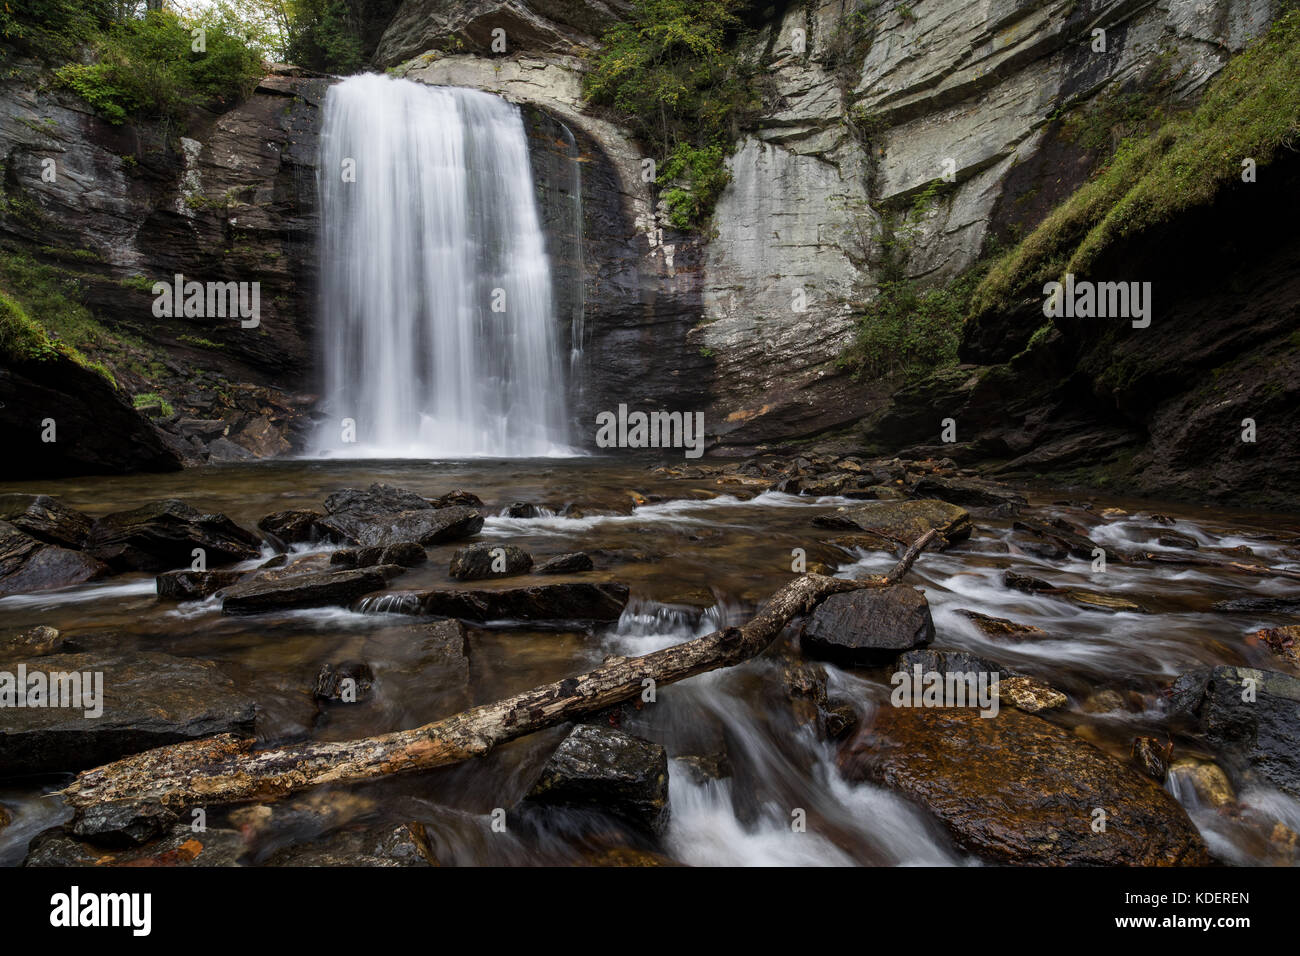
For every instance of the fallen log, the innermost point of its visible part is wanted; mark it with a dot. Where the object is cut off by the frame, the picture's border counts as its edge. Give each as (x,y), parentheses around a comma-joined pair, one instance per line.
(225,769)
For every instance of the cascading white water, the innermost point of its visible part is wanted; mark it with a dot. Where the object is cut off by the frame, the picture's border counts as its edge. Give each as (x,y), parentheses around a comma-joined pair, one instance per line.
(437,329)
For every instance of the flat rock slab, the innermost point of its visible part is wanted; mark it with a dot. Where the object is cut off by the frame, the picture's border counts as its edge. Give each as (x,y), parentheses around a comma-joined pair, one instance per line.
(905,521)
(868,627)
(163,535)
(318,589)
(426,526)
(149,700)
(599,768)
(1015,789)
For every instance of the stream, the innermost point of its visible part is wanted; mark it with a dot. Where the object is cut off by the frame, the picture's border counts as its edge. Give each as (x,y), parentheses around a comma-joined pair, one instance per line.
(696,555)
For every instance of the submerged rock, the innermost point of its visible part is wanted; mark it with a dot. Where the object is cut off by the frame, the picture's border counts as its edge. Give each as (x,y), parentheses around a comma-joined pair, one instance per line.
(1066,539)
(905,521)
(1015,789)
(46,519)
(868,626)
(598,768)
(317,589)
(1207,780)
(1282,641)
(1000,626)
(546,602)
(349,682)
(164,534)
(572,563)
(34,642)
(489,561)
(194,585)
(28,564)
(148,699)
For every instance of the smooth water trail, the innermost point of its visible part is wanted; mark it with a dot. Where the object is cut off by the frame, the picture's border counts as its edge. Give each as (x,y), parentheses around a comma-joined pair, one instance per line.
(437,325)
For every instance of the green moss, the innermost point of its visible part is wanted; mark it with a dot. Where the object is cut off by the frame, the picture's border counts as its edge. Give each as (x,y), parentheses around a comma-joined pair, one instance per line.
(46,300)
(199,342)
(1250,110)
(153,398)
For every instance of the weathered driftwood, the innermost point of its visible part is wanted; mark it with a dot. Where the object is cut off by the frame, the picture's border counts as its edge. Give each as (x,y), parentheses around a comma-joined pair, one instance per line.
(225,769)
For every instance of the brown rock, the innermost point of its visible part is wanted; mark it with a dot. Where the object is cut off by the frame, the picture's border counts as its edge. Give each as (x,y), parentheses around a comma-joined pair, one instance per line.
(1017,789)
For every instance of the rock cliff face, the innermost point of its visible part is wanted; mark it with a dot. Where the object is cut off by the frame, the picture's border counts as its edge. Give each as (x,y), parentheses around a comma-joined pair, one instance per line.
(122,211)
(865,107)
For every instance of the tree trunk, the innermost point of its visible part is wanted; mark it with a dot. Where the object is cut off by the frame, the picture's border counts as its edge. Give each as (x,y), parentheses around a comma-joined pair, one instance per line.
(225,769)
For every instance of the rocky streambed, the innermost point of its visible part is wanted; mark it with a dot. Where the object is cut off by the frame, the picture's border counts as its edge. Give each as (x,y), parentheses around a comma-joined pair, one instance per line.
(1128,672)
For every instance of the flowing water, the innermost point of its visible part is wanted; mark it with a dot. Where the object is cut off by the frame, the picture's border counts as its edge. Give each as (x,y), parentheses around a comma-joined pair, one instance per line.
(437,328)
(696,556)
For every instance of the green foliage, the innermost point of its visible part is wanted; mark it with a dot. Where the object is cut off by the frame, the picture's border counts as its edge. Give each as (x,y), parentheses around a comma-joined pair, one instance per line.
(705,170)
(325,35)
(149,67)
(910,332)
(672,72)
(1250,110)
(52,29)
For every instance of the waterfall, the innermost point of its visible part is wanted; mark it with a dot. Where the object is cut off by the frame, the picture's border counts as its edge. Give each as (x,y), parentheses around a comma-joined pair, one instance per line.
(437,329)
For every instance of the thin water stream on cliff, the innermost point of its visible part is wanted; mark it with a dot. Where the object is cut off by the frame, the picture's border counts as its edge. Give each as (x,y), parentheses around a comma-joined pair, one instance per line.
(695,556)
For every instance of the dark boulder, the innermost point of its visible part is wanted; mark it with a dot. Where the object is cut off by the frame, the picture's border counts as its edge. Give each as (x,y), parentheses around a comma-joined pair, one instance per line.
(463,498)
(292,527)
(27,564)
(426,526)
(149,699)
(1253,716)
(522,509)
(1015,789)
(599,768)
(316,589)
(378,499)
(868,626)
(164,534)
(46,519)
(489,560)
(547,602)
